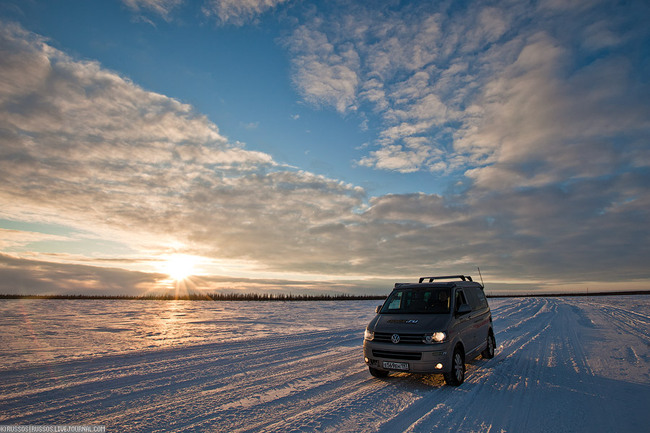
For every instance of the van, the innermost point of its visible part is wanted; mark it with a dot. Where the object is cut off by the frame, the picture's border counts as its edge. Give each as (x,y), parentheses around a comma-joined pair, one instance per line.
(434,326)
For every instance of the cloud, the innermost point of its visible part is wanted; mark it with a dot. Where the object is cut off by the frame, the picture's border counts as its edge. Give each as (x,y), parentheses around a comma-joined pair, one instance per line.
(544,123)
(239,12)
(556,167)
(324,75)
(25,276)
(543,109)
(85,147)
(29,276)
(65,119)
(250,125)
(17,238)
(444,75)
(163,8)
(403,66)
(234,12)
(396,157)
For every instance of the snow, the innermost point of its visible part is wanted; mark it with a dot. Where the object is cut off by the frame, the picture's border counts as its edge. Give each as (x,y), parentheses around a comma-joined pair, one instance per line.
(562,365)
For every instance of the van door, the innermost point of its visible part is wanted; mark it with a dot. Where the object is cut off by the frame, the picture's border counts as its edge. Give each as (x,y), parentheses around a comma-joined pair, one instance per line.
(463,322)
(480,316)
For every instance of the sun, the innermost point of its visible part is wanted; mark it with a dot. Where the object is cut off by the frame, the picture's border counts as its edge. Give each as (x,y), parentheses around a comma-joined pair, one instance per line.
(180,266)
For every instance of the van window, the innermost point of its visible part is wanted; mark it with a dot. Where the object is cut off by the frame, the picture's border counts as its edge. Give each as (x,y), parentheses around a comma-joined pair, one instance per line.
(460,299)
(476,298)
(481,298)
(418,301)
(471,297)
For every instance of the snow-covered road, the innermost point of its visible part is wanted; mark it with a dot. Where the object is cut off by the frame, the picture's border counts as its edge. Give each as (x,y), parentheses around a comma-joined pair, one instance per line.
(563,365)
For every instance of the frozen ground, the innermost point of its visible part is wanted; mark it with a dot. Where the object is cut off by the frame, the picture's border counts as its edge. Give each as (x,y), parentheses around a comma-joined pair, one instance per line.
(563,365)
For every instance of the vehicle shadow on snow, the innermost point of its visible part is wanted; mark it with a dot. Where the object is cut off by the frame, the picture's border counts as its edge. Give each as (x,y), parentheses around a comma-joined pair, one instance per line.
(414,381)
(419,381)
(430,395)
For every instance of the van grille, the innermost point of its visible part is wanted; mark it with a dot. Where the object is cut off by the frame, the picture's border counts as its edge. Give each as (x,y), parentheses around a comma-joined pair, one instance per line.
(385,337)
(388,354)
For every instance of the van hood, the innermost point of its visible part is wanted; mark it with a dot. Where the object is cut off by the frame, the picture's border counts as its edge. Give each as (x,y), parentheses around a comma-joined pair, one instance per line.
(409,323)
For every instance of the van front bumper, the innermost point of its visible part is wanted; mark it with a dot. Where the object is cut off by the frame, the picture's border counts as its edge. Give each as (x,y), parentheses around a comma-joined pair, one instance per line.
(409,358)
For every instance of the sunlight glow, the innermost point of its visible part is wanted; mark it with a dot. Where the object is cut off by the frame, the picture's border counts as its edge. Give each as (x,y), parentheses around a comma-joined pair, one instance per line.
(180,266)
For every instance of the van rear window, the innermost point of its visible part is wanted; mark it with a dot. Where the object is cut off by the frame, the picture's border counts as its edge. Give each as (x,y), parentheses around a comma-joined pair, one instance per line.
(418,301)
(476,298)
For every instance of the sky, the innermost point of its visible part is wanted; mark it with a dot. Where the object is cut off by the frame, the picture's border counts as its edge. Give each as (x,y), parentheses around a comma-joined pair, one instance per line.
(340,146)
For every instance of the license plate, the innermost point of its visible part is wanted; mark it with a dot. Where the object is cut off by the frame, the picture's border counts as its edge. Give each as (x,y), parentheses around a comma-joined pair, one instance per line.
(396,365)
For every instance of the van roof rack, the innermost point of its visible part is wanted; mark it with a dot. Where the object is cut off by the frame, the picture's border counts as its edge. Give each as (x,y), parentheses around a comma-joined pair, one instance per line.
(446,277)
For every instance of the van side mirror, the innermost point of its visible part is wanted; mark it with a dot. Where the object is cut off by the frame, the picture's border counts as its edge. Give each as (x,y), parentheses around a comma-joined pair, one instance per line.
(464,309)
(377,309)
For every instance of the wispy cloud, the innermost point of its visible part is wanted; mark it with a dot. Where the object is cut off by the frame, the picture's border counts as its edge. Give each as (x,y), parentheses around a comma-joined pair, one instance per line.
(239,12)
(233,12)
(10,239)
(250,125)
(162,8)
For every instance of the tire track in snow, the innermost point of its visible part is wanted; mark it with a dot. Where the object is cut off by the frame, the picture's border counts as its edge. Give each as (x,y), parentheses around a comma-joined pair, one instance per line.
(521,326)
(291,389)
(541,379)
(629,321)
(152,373)
(626,321)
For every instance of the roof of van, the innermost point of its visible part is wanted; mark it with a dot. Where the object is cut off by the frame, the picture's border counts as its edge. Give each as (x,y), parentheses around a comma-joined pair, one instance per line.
(465,281)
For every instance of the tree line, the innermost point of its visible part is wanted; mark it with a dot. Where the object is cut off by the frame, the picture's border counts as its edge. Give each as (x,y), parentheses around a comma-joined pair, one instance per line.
(282,297)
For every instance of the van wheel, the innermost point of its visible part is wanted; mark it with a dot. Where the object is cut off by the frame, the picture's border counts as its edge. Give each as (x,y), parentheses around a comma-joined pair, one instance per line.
(378,373)
(457,374)
(488,353)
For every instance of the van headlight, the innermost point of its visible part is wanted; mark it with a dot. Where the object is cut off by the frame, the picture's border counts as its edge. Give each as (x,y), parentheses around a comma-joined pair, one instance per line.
(434,337)
(368,335)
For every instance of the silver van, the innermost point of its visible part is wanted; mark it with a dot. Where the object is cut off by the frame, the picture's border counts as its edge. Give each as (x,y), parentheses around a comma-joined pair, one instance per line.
(433,326)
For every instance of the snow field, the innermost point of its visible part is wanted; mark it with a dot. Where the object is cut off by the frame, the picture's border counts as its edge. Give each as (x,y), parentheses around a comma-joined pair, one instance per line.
(562,365)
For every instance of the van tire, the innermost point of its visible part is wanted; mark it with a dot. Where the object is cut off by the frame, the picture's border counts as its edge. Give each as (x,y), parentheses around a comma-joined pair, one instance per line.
(378,373)
(457,374)
(488,353)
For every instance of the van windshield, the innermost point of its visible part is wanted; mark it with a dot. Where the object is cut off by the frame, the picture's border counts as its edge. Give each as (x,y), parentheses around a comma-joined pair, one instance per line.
(418,301)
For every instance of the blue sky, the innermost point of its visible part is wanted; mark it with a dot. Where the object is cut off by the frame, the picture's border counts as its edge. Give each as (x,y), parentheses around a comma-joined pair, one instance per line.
(330,146)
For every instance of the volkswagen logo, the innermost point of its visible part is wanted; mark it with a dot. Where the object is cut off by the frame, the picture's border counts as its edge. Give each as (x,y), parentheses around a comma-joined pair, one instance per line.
(394,338)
